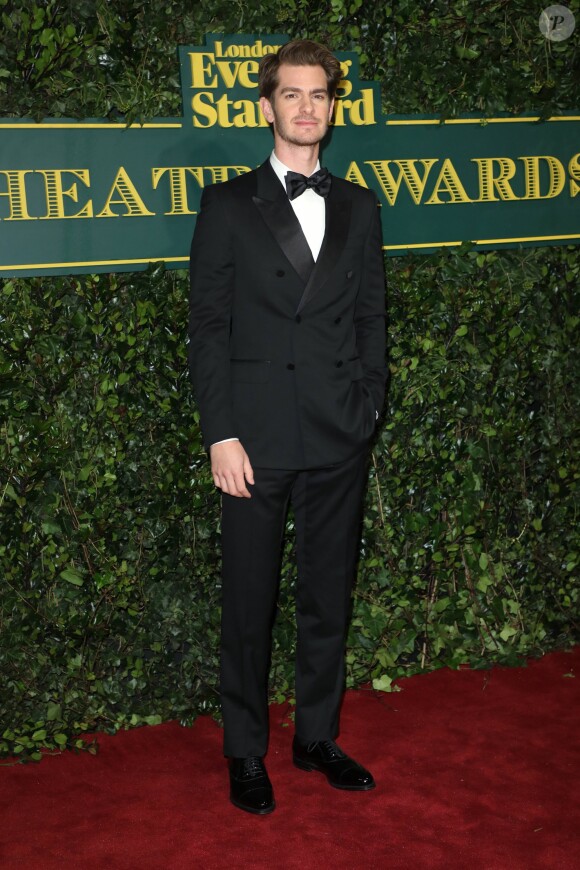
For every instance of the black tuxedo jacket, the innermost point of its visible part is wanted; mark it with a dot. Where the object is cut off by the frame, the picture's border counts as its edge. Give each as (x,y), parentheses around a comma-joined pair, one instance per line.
(285,354)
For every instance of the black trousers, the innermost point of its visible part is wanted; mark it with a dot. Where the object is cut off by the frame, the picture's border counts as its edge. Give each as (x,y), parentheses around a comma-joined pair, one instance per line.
(327,508)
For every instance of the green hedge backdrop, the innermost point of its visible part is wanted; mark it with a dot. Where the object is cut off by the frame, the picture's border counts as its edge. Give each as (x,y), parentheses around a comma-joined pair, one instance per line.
(109,547)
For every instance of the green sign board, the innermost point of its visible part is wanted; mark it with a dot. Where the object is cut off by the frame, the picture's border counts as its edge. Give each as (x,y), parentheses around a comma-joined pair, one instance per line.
(91,196)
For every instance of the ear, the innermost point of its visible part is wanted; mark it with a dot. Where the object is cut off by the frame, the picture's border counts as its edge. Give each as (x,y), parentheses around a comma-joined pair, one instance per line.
(266,108)
(330,111)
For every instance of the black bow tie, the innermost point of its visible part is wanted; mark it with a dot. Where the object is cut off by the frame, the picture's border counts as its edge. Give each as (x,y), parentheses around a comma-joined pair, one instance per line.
(320,183)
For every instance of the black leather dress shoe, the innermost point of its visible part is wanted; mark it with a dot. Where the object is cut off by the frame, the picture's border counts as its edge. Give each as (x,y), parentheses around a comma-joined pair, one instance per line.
(250,786)
(340,770)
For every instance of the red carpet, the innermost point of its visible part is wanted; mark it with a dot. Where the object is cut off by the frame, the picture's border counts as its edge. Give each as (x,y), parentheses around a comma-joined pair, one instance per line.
(475,769)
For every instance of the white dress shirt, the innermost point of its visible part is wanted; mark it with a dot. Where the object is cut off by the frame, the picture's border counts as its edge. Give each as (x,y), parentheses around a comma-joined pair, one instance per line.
(309,208)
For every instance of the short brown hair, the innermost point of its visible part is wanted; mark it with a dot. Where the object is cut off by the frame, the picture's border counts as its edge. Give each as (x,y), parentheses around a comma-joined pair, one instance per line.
(299,52)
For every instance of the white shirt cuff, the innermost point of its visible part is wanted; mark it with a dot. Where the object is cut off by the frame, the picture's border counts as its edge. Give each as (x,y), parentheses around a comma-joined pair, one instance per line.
(223,442)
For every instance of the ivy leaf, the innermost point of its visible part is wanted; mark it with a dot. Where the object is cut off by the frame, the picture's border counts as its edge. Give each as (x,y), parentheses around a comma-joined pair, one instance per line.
(72,576)
(383,684)
(53,711)
(466,53)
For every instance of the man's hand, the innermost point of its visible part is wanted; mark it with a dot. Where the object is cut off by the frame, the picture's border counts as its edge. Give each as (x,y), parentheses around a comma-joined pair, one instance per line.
(231,468)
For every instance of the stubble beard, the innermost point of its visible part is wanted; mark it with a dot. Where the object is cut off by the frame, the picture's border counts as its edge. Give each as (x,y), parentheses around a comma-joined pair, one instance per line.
(314,138)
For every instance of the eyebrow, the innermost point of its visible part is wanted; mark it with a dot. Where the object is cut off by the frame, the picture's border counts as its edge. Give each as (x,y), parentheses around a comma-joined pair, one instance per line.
(290,88)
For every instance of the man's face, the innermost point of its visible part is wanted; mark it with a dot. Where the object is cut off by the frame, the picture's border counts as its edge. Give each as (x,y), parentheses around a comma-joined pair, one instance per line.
(300,108)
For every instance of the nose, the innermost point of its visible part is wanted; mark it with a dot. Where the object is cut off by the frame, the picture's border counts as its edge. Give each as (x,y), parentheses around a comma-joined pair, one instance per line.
(307,103)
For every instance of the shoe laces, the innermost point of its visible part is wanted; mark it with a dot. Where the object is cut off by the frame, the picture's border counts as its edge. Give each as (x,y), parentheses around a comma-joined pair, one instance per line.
(329,748)
(253,766)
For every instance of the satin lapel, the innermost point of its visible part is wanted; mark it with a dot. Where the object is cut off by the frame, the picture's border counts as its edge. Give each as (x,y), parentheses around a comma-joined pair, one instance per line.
(335,236)
(274,206)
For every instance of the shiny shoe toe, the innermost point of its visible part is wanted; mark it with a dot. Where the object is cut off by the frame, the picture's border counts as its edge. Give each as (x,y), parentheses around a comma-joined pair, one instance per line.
(250,786)
(328,758)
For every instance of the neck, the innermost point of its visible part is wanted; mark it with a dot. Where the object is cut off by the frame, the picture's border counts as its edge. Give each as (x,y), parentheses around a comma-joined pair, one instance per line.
(298,158)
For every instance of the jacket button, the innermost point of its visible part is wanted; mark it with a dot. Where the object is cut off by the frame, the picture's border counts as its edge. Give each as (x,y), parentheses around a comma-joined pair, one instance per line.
(338,319)
(280,273)
(339,364)
(291,367)
(349,274)
(298,319)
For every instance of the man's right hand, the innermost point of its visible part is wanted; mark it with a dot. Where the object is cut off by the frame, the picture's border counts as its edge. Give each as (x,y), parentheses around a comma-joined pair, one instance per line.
(231,468)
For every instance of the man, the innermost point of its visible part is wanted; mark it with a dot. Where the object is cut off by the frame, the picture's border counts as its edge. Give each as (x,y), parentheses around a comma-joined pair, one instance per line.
(287,355)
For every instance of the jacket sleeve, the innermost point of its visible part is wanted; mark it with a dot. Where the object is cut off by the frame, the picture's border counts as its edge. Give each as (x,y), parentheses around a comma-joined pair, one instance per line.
(370,312)
(210,304)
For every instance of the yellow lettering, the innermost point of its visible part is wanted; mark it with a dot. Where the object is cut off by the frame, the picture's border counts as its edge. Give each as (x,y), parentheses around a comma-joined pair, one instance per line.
(407,173)
(16,193)
(127,197)
(344,86)
(55,193)
(574,170)
(488,182)
(228,75)
(340,106)
(203,109)
(248,116)
(240,71)
(199,68)
(556,174)
(448,182)
(255,50)
(361,112)
(354,174)
(223,113)
(178,185)
(248,74)
(222,173)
